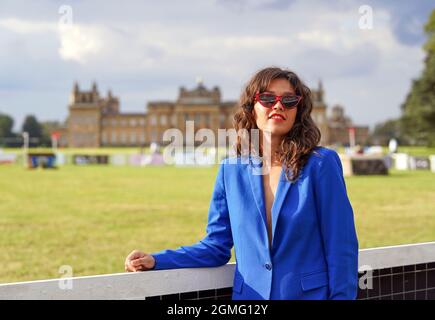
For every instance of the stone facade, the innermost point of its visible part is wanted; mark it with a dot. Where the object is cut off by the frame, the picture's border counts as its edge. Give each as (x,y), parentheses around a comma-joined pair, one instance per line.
(339,126)
(95,121)
(204,107)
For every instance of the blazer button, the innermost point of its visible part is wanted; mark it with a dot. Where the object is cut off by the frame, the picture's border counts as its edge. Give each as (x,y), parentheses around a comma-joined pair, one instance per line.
(268,266)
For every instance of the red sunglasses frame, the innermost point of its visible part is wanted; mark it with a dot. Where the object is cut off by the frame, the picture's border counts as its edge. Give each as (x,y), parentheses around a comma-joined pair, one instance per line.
(277,98)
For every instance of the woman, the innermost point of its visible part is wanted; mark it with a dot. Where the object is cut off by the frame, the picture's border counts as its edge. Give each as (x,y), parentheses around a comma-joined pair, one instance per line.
(287,214)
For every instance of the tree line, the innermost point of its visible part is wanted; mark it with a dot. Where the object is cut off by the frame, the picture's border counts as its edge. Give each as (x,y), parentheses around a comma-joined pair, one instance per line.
(39,132)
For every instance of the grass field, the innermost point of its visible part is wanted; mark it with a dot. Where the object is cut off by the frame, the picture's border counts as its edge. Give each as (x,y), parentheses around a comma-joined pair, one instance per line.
(91,217)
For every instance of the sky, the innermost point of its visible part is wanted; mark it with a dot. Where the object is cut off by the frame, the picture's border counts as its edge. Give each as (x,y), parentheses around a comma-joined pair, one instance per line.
(145,50)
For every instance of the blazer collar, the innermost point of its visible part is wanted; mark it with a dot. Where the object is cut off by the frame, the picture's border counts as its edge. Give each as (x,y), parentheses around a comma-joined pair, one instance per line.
(281,193)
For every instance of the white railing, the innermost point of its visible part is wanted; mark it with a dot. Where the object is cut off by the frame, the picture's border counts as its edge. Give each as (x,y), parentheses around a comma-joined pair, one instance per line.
(396,256)
(163,282)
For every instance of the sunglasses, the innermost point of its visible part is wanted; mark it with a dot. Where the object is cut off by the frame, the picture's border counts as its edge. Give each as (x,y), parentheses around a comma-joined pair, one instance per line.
(268,100)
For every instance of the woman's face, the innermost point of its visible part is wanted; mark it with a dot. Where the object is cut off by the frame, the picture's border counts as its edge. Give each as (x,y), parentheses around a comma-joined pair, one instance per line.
(276,120)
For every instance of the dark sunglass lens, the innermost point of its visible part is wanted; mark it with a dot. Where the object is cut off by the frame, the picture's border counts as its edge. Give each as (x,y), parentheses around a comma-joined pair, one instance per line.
(289,101)
(267,99)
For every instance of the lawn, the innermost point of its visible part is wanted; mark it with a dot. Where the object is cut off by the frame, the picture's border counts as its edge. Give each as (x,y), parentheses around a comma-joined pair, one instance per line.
(91,217)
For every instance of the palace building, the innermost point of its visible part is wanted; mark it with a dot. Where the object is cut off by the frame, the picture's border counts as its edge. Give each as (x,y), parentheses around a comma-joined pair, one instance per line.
(96,121)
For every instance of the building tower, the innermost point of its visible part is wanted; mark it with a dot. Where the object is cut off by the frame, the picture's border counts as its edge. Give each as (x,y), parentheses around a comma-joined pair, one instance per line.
(84,119)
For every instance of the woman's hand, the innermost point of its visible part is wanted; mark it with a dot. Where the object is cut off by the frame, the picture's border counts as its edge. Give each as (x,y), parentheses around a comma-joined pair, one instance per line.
(139,261)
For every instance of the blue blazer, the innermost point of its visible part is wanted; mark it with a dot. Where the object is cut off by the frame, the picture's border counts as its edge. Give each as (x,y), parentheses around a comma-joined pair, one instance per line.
(314,253)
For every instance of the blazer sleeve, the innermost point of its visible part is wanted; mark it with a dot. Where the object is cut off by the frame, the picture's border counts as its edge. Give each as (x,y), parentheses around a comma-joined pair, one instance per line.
(337,228)
(215,248)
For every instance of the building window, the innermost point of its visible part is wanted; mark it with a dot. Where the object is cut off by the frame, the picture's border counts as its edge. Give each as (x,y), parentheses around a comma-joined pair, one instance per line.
(133,122)
(114,122)
(133,138)
(153,120)
(198,119)
(142,138)
(142,122)
(123,137)
(174,119)
(104,138)
(207,120)
(114,138)
(186,117)
(163,120)
(223,119)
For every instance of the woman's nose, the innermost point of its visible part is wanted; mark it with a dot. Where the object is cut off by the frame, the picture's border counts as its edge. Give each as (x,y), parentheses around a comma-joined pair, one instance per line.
(278,106)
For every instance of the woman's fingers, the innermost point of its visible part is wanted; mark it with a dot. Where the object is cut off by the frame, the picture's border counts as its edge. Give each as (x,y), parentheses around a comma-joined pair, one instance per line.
(146,262)
(135,254)
(129,267)
(139,261)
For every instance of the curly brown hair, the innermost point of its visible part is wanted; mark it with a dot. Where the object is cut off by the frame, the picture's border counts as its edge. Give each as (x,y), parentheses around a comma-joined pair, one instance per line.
(303,137)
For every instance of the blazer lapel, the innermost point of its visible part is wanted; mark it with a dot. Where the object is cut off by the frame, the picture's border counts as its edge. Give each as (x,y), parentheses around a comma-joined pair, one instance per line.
(281,192)
(256,182)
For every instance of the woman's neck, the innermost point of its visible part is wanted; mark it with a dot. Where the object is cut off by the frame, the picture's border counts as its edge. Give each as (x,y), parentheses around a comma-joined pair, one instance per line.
(270,145)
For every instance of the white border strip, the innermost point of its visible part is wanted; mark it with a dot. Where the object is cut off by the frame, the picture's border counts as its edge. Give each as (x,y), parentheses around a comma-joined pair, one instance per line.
(139,285)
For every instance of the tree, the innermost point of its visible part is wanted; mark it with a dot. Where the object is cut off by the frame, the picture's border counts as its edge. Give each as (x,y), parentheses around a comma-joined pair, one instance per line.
(418,118)
(33,127)
(6,125)
(387,130)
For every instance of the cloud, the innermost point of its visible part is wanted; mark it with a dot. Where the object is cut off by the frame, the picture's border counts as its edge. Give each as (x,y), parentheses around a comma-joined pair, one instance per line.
(78,43)
(27,27)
